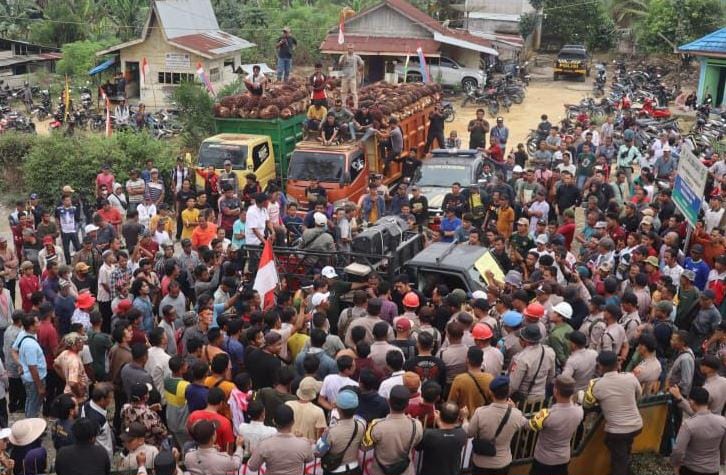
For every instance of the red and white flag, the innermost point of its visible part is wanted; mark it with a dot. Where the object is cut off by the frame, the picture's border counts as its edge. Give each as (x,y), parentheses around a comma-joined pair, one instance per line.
(341,35)
(144,69)
(267,279)
(108,112)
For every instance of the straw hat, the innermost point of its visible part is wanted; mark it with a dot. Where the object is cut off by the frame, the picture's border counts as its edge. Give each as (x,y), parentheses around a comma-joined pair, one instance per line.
(25,431)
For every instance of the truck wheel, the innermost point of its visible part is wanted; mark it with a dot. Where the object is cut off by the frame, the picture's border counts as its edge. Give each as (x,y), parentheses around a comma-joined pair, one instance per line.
(555,77)
(469,83)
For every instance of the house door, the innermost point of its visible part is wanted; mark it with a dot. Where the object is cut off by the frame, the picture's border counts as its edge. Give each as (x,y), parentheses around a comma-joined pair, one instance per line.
(721,88)
(376,68)
(133,80)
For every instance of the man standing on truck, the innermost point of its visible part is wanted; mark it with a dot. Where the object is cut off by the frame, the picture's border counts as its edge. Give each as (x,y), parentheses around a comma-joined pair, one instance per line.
(478,130)
(391,141)
(436,129)
(285,46)
(344,118)
(351,65)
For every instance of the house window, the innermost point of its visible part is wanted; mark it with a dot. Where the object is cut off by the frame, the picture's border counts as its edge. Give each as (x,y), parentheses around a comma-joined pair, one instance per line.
(214,75)
(174,78)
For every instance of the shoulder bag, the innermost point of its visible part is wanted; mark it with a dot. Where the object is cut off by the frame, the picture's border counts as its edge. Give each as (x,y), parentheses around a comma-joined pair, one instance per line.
(331,461)
(518,396)
(481,391)
(397,468)
(488,447)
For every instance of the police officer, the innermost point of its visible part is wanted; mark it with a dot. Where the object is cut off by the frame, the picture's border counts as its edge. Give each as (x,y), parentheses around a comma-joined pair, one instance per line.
(618,395)
(206,458)
(699,441)
(614,339)
(499,417)
(510,345)
(393,438)
(344,437)
(715,384)
(582,361)
(556,426)
(533,367)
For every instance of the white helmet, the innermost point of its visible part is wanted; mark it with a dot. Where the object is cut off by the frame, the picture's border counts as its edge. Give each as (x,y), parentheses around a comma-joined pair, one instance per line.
(564,309)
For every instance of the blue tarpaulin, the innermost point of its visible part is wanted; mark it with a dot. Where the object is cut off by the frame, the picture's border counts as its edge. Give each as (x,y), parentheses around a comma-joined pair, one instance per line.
(102,67)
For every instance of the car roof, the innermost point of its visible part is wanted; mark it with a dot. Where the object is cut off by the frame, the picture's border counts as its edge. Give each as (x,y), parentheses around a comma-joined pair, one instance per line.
(573,51)
(448,256)
(458,156)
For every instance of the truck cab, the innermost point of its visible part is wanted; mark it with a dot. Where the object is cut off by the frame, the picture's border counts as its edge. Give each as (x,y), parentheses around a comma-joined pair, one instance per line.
(248,154)
(344,170)
(447,263)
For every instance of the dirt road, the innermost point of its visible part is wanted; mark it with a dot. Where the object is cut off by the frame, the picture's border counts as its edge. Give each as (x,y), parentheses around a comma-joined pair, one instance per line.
(544,96)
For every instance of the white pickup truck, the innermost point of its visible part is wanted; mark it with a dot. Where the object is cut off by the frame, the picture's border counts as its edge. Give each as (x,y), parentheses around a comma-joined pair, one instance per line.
(444,71)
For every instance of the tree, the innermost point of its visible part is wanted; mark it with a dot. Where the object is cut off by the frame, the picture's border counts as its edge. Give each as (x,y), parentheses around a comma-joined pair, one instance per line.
(527,24)
(128,16)
(625,12)
(566,21)
(16,16)
(79,57)
(195,111)
(680,21)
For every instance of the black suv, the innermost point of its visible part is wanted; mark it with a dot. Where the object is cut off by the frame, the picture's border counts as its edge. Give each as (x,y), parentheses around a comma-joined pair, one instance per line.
(572,60)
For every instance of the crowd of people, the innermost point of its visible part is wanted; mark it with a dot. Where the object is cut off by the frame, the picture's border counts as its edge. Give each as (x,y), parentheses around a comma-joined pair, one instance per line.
(132,330)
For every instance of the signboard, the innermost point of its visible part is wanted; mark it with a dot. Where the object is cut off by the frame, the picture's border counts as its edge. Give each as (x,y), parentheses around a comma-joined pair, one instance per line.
(487,263)
(689,186)
(177,61)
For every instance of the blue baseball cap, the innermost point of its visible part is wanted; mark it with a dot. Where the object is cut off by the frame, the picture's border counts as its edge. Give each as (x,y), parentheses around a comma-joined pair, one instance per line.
(347,399)
(499,382)
(512,318)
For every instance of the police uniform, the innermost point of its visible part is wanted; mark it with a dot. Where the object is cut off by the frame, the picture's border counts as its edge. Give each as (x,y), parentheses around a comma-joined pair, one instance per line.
(613,339)
(630,324)
(525,377)
(618,395)
(391,441)
(511,346)
(699,442)
(454,357)
(211,461)
(716,387)
(282,454)
(484,423)
(580,366)
(340,436)
(593,327)
(555,425)
(493,360)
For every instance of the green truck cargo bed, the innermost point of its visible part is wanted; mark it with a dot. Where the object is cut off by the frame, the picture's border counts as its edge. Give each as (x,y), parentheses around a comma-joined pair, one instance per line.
(284,134)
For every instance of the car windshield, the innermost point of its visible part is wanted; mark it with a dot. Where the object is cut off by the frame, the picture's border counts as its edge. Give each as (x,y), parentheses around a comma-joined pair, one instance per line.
(572,55)
(213,153)
(326,167)
(444,175)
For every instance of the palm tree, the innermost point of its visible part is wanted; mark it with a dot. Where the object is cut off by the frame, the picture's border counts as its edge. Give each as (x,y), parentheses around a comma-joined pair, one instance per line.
(626,12)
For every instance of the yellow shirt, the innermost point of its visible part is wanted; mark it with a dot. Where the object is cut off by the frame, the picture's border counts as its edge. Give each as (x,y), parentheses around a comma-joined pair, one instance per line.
(189,216)
(169,226)
(315,113)
(296,343)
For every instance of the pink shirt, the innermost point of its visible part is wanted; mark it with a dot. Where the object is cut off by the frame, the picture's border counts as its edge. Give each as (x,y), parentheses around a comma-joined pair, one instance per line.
(107,180)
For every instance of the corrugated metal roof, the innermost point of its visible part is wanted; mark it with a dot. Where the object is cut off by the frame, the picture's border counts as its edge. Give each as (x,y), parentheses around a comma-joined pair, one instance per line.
(29,58)
(714,43)
(190,25)
(387,46)
(186,17)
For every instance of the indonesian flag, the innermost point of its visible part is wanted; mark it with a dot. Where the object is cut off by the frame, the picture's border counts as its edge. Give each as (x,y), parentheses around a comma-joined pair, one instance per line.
(144,69)
(108,112)
(266,279)
(341,35)
(67,98)
(422,64)
(204,78)
(405,69)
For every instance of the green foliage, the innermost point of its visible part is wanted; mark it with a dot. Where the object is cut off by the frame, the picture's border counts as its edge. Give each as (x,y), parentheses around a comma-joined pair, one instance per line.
(687,21)
(235,87)
(128,16)
(195,107)
(566,21)
(625,12)
(55,160)
(15,17)
(79,57)
(537,4)
(64,25)
(14,147)
(527,23)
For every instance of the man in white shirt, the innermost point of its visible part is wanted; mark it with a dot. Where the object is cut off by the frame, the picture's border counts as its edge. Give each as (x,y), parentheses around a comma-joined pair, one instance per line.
(104,285)
(255,81)
(671,268)
(255,224)
(714,214)
(147,210)
(333,382)
(255,431)
(157,365)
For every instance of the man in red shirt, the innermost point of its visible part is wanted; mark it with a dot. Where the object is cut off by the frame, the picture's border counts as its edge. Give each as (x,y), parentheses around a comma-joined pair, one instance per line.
(225,436)
(111,215)
(568,227)
(48,340)
(614,230)
(105,178)
(423,410)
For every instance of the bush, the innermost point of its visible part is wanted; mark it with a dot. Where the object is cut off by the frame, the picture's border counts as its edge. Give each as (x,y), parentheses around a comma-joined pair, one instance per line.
(14,147)
(56,160)
(195,107)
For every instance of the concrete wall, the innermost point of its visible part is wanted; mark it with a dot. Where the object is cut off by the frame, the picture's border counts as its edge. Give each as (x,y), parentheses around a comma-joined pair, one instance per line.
(155,48)
(385,21)
(513,7)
